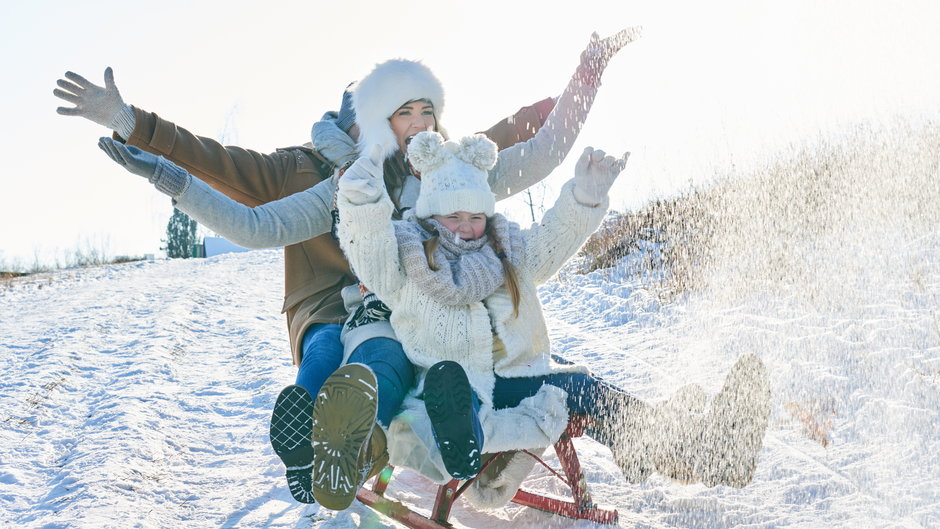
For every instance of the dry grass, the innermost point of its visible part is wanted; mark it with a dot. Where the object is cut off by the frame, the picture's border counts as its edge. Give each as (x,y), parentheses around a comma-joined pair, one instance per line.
(86,253)
(765,229)
(814,417)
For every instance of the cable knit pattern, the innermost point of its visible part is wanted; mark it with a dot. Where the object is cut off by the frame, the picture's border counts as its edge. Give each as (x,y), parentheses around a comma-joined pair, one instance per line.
(430,330)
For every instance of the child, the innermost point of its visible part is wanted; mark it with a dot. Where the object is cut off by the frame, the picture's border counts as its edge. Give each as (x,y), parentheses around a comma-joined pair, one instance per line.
(461,280)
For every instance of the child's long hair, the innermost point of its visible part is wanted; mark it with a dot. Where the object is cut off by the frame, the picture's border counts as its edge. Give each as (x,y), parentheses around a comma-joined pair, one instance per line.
(509,271)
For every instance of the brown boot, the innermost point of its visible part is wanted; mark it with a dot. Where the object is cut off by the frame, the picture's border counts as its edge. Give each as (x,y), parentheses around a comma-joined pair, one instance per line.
(374,455)
(737,423)
(635,438)
(343,423)
(719,447)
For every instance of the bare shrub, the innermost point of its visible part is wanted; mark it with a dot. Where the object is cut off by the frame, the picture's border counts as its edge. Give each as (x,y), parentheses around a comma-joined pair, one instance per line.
(768,228)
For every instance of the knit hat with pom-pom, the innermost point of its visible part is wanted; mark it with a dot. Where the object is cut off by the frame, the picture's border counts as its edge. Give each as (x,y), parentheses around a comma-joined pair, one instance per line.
(453,174)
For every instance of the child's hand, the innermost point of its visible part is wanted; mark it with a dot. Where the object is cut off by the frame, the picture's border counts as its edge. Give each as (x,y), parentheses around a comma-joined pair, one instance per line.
(131,158)
(594,173)
(362,183)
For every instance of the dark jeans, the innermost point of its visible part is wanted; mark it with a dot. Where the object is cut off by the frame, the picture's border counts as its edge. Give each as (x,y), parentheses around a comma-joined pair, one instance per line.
(587,394)
(393,371)
(323,354)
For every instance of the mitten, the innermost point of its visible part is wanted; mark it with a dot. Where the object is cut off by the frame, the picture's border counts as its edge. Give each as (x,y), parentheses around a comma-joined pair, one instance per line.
(594,174)
(362,182)
(598,53)
(165,175)
(103,105)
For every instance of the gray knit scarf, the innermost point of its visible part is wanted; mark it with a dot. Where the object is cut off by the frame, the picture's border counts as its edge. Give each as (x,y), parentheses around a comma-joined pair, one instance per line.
(330,141)
(469,271)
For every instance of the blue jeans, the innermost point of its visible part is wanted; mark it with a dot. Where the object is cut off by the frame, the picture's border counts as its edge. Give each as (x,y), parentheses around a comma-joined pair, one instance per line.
(394,373)
(322,354)
(587,395)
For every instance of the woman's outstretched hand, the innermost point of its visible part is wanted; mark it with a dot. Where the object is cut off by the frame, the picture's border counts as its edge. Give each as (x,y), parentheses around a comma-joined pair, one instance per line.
(599,51)
(100,104)
(594,174)
(139,162)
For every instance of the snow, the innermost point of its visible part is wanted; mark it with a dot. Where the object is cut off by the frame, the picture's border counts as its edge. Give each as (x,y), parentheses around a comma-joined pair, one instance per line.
(138,395)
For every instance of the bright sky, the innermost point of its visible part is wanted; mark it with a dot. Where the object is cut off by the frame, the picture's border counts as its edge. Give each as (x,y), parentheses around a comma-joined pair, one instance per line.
(708,85)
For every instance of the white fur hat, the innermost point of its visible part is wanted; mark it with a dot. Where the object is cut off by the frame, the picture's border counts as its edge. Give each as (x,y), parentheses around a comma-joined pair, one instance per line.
(387,87)
(453,175)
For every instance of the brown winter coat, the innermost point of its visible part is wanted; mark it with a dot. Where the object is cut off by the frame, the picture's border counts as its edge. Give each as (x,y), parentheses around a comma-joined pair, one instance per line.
(315,271)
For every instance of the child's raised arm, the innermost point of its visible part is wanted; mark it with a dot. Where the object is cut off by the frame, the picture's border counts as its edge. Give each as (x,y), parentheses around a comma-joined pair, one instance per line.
(576,214)
(365,229)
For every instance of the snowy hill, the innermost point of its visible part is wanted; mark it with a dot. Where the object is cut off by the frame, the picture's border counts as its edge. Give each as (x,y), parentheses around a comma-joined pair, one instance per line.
(138,395)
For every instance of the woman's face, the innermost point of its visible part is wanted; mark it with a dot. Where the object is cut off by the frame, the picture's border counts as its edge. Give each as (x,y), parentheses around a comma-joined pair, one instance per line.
(467,226)
(410,119)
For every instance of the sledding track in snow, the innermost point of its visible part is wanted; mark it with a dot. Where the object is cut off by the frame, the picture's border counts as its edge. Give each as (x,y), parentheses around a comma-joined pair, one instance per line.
(140,395)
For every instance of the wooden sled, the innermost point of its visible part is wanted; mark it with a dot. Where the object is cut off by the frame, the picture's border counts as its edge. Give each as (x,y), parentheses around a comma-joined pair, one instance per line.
(579,507)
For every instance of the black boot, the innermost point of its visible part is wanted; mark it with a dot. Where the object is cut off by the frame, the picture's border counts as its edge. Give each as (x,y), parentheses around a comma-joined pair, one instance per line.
(448,398)
(291,427)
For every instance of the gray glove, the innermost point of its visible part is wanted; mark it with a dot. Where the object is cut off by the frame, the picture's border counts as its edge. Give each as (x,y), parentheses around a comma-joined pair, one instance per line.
(103,105)
(362,182)
(594,174)
(168,177)
(599,51)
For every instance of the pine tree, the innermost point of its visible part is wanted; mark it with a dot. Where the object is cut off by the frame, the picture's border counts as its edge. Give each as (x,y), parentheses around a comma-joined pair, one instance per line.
(180,235)
(181,231)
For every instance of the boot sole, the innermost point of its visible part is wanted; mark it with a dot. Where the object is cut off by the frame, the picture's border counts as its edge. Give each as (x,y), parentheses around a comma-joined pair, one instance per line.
(448,400)
(291,428)
(343,416)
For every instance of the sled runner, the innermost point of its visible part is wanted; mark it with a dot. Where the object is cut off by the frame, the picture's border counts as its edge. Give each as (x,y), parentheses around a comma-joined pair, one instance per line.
(579,507)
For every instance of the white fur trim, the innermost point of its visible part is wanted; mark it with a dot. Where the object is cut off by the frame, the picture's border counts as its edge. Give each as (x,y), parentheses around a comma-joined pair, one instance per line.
(495,491)
(387,87)
(537,422)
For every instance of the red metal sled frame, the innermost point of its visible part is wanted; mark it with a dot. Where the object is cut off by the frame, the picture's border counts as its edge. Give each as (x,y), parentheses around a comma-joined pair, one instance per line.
(581,507)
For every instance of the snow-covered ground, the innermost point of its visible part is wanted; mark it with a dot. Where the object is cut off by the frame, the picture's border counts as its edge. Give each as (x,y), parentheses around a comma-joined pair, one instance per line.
(138,395)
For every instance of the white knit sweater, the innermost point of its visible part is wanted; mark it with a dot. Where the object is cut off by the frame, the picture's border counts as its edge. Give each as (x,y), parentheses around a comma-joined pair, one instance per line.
(431,331)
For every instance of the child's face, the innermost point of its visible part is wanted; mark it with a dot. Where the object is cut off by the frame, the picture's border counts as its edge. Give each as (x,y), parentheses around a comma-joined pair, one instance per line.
(467,226)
